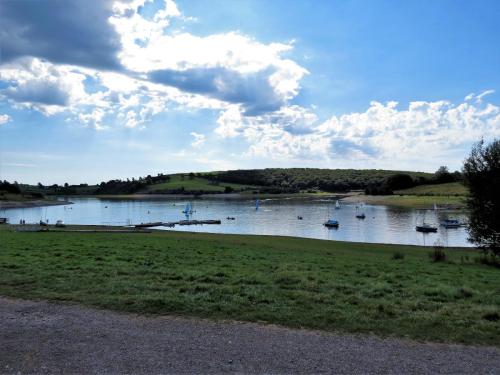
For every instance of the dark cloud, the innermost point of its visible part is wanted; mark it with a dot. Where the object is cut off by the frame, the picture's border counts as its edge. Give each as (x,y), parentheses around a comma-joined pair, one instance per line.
(252,90)
(47,93)
(73,32)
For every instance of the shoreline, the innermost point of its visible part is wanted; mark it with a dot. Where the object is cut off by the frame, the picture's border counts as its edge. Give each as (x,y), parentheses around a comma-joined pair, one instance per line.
(5,205)
(97,228)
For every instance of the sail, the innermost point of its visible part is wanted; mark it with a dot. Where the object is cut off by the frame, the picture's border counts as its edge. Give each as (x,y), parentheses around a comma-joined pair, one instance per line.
(337,204)
(257,204)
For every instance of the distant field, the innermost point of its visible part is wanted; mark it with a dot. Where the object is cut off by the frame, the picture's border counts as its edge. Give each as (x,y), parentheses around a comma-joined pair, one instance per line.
(450,189)
(12,197)
(388,290)
(410,201)
(195,184)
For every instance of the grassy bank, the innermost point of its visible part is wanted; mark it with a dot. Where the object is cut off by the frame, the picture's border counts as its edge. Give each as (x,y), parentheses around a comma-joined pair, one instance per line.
(449,195)
(446,190)
(334,286)
(410,201)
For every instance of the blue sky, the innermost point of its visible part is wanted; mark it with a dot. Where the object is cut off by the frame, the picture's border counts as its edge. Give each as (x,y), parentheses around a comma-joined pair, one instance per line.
(91,91)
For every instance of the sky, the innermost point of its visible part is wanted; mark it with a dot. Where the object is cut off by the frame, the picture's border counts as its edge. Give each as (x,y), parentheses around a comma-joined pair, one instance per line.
(98,90)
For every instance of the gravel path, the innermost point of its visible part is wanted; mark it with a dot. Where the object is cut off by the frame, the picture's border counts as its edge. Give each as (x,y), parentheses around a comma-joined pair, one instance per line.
(41,337)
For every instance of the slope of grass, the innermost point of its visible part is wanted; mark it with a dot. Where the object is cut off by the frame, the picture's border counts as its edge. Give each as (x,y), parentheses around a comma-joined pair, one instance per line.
(449,189)
(411,201)
(334,286)
(195,184)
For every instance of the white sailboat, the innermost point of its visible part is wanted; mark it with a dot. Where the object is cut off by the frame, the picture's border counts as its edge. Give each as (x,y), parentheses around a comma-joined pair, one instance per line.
(337,205)
(360,215)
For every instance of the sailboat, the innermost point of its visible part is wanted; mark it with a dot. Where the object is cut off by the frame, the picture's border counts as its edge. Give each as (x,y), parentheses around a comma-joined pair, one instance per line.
(257,204)
(426,228)
(337,205)
(332,223)
(359,215)
(188,210)
(451,223)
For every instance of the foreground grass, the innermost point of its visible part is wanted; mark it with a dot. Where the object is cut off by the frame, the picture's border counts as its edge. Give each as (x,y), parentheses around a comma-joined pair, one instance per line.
(449,189)
(334,286)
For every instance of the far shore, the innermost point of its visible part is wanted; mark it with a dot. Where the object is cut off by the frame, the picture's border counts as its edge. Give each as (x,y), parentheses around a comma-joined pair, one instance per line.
(408,201)
(30,204)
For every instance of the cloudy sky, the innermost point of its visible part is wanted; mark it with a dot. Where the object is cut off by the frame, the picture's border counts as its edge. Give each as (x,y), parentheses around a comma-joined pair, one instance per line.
(94,90)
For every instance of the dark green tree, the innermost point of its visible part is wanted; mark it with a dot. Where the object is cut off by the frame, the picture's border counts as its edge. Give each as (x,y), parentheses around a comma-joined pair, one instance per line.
(443,175)
(481,173)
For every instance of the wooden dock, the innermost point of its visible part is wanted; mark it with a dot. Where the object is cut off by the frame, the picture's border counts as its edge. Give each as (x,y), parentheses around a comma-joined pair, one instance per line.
(172,224)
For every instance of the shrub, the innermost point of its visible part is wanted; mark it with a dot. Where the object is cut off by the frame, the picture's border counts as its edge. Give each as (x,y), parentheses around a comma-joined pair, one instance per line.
(438,254)
(398,255)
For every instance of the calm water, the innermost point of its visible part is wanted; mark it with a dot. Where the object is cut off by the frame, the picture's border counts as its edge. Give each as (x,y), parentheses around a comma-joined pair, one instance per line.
(274,217)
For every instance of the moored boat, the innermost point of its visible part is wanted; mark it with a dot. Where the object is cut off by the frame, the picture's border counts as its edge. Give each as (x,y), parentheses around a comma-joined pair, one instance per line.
(426,228)
(450,223)
(330,223)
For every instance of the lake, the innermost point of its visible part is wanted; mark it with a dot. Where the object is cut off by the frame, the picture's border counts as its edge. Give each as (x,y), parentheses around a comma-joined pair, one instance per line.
(276,216)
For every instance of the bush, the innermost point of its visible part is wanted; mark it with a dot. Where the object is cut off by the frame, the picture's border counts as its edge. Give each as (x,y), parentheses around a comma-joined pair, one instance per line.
(438,254)
(489,260)
(398,255)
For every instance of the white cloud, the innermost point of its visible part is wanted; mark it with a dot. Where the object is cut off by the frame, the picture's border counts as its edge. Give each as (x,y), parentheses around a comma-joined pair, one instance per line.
(199,139)
(422,133)
(5,119)
(188,71)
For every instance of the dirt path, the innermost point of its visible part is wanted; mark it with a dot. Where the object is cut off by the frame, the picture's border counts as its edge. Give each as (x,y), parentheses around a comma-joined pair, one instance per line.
(41,337)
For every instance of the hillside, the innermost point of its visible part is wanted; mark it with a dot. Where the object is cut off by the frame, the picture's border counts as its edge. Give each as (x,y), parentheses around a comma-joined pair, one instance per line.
(331,180)
(265,181)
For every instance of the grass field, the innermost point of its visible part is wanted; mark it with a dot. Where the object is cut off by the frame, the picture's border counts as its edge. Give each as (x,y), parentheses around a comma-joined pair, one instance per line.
(414,201)
(449,189)
(333,286)
(195,184)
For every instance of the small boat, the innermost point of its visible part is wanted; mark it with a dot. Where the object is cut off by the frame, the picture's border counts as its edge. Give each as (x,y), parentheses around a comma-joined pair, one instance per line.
(230,218)
(299,217)
(450,223)
(257,203)
(60,224)
(425,228)
(330,223)
(43,223)
(337,205)
(188,210)
(359,215)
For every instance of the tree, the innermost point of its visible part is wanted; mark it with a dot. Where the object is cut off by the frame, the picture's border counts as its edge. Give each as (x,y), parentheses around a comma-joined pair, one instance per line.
(443,175)
(399,181)
(481,173)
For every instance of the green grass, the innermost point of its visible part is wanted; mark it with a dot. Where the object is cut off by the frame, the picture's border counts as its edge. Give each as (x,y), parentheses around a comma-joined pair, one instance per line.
(12,197)
(195,184)
(449,189)
(417,201)
(333,286)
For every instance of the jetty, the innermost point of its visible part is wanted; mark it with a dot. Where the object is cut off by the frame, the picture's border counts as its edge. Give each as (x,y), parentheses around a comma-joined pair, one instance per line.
(172,224)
